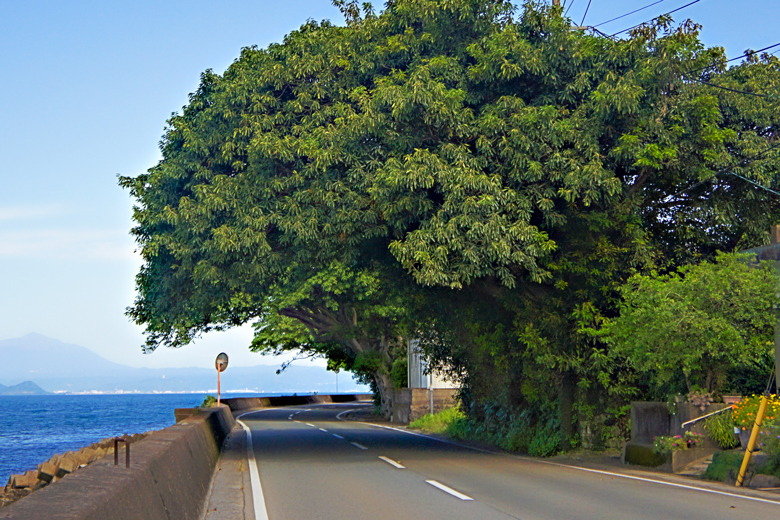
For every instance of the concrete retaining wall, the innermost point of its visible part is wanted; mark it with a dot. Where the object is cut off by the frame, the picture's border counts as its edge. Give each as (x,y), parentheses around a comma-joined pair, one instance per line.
(409,404)
(169,477)
(653,419)
(247,403)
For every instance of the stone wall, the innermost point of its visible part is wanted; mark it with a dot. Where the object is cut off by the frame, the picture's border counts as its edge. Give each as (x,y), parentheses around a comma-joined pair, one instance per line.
(169,477)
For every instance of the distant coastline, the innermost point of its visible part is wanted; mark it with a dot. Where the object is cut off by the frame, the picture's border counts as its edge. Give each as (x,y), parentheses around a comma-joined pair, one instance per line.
(173,392)
(67,369)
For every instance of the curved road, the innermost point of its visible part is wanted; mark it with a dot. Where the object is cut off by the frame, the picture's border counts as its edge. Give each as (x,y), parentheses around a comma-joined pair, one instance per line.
(314,466)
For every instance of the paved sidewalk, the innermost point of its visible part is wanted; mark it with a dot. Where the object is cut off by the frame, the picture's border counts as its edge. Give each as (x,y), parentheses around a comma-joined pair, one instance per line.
(231,492)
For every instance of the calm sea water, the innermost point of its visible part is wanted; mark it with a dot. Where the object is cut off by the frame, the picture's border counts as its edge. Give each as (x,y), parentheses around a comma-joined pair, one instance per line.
(33,428)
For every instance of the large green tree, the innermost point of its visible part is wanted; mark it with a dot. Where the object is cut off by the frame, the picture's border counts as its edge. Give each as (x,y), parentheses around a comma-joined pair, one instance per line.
(356,186)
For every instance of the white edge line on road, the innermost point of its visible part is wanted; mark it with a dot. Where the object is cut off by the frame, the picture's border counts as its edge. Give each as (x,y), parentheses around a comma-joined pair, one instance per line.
(448,490)
(310,424)
(355,444)
(299,422)
(338,436)
(392,462)
(342,413)
(619,475)
(254,473)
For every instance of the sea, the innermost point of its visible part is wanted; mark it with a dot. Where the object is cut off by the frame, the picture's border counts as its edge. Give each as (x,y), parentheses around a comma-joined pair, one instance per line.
(35,427)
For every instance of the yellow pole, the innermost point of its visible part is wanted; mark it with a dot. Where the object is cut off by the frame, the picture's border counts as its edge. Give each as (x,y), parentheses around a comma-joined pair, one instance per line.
(752,441)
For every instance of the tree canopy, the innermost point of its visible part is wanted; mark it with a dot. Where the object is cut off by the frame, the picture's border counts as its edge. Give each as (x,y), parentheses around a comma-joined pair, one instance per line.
(353,187)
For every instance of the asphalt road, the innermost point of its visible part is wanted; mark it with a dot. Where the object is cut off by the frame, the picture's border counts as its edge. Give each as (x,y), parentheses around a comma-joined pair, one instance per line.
(314,466)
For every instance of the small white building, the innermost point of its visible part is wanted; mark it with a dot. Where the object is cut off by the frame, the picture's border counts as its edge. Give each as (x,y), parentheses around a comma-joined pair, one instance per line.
(417,378)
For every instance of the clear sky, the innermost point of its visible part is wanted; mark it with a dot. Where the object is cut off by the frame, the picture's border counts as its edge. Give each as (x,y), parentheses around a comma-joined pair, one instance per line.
(85,89)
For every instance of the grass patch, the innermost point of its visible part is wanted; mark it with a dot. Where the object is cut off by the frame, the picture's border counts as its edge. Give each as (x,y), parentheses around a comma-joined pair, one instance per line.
(444,422)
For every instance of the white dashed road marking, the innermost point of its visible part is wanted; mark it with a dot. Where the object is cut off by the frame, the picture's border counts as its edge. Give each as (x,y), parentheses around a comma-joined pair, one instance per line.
(392,462)
(355,444)
(448,490)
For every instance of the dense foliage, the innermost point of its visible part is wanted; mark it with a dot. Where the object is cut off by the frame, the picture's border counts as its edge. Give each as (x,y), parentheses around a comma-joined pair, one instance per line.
(695,324)
(454,171)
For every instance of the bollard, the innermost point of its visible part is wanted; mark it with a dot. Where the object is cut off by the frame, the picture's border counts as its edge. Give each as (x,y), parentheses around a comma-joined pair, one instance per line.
(117,440)
(752,442)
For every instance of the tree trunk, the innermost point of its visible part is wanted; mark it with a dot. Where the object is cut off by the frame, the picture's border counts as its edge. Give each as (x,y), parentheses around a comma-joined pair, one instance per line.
(384,386)
(566,409)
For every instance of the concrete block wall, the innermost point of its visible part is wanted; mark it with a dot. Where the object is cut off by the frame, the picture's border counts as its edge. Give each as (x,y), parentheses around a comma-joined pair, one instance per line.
(169,477)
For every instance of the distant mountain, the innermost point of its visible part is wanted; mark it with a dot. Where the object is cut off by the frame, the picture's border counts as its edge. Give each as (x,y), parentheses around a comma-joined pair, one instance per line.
(37,357)
(62,367)
(2,387)
(26,388)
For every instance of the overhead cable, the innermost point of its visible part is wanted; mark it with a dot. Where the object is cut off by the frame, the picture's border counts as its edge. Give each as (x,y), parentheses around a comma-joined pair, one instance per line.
(665,14)
(622,15)
(586,13)
(728,89)
(567,9)
(750,160)
(751,53)
(752,182)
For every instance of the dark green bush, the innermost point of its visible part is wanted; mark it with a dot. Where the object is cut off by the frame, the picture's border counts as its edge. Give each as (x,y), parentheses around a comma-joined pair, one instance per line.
(644,456)
(724,466)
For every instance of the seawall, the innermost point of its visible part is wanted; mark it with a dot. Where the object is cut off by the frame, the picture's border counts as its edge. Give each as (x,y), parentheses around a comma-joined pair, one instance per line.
(169,478)
(237,404)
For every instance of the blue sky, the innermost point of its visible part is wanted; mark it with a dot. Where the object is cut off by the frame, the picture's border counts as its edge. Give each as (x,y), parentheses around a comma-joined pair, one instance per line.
(86,89)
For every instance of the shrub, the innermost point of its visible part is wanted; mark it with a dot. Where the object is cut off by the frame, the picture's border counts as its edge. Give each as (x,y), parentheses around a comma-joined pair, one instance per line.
(644,456)
(209,401)
(724,466)
(545,443)
(720,428)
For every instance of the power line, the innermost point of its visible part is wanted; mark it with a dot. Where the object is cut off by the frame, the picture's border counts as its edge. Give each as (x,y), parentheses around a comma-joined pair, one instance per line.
(729,89)
(567,9)
(586,13)
(622,15)
(751,182)
(751,53)
(750,160)
(665,14)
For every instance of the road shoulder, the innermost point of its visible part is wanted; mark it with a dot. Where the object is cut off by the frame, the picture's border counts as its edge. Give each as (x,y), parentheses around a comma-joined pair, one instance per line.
(231,491)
